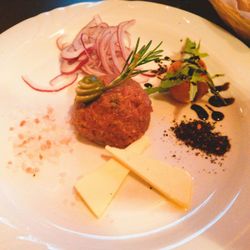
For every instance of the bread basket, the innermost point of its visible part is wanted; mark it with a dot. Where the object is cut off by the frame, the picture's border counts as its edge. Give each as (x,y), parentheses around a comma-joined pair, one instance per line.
(236,13)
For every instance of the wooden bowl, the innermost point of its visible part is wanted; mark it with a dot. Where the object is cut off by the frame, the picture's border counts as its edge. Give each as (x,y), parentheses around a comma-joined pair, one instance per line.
(231,15)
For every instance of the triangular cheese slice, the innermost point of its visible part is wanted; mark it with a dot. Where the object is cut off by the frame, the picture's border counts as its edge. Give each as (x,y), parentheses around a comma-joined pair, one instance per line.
(172,182)
(98,188)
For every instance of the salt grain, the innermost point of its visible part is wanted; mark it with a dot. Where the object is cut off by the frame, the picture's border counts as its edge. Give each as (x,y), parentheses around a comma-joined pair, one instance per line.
(39,139)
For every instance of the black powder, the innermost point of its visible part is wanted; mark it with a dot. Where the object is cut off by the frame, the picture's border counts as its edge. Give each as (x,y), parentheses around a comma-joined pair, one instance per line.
(200,135)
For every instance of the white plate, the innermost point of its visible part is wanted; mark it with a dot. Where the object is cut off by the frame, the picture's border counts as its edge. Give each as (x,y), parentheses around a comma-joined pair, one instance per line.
(42,212)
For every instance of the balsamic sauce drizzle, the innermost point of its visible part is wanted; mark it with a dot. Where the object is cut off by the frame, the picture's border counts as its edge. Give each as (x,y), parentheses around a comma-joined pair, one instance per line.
(216,115)
(200,111)
(148,85)
(218,102)
(222,87)
(215,101)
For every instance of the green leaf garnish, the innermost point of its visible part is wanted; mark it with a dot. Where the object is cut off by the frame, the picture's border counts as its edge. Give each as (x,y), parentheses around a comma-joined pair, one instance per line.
(187,72)
(172,79)
(153,90)
(190,70)
(197,77)
(192,48)
(90,87)
(193,91)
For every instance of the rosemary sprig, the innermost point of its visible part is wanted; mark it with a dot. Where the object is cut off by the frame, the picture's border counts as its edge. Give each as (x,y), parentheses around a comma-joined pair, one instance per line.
(136,59)
(90,87)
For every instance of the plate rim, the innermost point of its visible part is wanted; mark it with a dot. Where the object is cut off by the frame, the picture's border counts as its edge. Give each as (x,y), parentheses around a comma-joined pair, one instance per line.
(102,2)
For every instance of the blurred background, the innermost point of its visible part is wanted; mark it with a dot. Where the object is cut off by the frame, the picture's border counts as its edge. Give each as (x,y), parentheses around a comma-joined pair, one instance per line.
(15,11)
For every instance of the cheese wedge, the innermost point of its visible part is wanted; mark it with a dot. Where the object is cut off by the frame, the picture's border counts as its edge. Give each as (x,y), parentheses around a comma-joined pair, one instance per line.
(172,182)
(98,188)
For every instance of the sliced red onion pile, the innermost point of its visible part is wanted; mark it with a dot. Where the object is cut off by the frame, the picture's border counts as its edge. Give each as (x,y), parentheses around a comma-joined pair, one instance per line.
(98,49)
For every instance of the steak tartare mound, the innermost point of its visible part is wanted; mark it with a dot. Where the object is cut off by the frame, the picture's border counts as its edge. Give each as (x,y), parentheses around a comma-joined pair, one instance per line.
(117,118)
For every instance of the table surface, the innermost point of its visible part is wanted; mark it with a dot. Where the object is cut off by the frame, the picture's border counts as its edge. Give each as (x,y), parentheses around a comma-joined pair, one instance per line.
(15,11)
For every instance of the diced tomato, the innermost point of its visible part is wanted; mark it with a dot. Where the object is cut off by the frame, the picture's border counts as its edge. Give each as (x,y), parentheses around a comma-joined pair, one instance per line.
(181,92)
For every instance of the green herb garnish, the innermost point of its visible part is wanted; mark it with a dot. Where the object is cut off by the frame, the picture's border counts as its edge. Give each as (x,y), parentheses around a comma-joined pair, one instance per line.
(190,70)
(90,87)
(192,49)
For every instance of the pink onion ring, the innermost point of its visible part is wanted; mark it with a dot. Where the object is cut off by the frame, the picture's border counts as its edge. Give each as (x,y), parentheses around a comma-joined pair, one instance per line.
(141,78)
(94,22)
(92,71)
(108,50)
(60,43)
(114,56)
(68,68)
(149,74)
(103,51)
(57,78)
(120,32)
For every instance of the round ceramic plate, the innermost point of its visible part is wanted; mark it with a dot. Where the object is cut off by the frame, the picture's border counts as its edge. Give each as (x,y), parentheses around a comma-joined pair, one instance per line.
(39,208)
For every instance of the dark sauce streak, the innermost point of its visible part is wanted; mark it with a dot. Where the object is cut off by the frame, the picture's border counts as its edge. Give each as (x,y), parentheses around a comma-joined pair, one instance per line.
(223,87)
(148,85)
(218,102)
(201,112)
(216,115)
(203,115)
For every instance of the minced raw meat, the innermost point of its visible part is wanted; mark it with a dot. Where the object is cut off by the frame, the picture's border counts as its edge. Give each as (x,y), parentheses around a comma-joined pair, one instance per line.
(117,118)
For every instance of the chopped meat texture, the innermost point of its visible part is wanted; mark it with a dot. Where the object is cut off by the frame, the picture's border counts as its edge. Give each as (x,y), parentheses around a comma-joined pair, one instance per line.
(118,118)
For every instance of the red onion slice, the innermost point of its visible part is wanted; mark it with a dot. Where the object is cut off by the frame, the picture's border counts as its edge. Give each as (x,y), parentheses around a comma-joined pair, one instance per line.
(120,32)
(92,71)
(68,68)
(104,49)
(97,49)
(60,42)
(115,58)
(94,22)
(69,52)
(83,57)
(141,78)
(149,74)
(62,80)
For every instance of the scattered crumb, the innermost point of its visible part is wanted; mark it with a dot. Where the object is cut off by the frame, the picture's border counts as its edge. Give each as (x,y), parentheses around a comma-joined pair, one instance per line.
(30,170)
(22,123)
(72,204)
(105,157)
